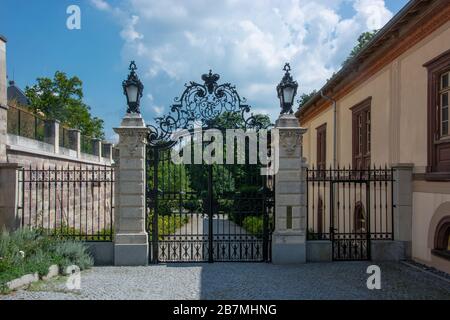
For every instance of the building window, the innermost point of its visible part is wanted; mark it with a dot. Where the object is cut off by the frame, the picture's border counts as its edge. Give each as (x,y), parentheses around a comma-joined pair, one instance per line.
(322,147)
(443,98)
(361,134)
(438,117)
(442,239)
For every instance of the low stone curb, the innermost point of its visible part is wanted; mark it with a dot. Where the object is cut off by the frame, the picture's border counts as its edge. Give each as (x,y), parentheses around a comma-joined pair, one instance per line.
(23,281)
(28,279)
(428,270)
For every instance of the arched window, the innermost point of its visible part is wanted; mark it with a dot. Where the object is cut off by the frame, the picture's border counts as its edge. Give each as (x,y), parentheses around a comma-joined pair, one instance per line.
(442,236)
(359,217)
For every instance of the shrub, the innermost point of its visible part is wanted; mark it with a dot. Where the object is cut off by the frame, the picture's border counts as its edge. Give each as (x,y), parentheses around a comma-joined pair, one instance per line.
(166,207)
(72,252)
(168,224)
(28,251)
(254,225)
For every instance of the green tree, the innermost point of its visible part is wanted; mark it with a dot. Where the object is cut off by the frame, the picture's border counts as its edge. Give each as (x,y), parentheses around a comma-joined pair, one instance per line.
(305,97)
(61,98)
(363,40)
(225,178)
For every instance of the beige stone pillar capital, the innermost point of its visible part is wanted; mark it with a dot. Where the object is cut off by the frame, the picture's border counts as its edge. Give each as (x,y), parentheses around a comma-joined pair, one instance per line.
(289,237)
(130,238)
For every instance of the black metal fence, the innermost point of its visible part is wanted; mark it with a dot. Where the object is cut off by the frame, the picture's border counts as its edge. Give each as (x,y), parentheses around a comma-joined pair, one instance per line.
(68,202)
(25,124)
(86,145)
(343,202)
(64,140)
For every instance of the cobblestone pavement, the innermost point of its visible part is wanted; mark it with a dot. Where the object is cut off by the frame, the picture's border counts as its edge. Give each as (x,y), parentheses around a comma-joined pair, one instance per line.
(343,280)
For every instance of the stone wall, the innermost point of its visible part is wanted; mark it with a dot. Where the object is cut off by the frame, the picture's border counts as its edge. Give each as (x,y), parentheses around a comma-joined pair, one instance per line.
(75,201)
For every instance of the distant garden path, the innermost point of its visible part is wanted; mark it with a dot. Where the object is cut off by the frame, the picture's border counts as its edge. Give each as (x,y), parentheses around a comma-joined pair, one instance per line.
(198,224)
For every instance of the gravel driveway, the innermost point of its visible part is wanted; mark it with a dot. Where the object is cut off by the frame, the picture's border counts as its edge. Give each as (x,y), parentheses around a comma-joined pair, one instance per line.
(343,280)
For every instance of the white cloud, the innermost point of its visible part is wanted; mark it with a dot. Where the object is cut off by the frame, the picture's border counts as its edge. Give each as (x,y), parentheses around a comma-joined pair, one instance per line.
(247,42)
(373,12)
(101,5)
(129,33)
(158,110)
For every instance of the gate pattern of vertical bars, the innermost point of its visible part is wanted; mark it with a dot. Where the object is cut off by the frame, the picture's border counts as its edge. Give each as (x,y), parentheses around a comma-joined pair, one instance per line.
(350,207)
(200,213)
(68,202)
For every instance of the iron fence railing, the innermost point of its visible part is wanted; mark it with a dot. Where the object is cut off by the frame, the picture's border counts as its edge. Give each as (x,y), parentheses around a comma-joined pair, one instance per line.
(69,202)
(64,140)
(346,201)
(87,145)
(25,123)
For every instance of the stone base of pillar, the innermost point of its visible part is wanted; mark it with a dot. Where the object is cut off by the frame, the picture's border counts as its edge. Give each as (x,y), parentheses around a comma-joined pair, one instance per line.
(288,248)
(131,249)
(382,250)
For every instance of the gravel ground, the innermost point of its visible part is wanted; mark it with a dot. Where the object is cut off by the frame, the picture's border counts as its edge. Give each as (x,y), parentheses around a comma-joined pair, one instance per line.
(343,280)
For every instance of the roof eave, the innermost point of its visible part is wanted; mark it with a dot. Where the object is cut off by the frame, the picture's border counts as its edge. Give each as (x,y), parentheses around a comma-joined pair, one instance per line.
(355,60)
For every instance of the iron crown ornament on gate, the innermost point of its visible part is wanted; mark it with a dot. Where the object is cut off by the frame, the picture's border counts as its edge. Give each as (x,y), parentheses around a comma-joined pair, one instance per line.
(203,105)
(287,89)
(132,89)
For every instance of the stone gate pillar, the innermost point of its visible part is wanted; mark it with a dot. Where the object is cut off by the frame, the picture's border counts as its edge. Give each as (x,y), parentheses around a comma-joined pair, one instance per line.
(289,236)
(403,210)
(130,237)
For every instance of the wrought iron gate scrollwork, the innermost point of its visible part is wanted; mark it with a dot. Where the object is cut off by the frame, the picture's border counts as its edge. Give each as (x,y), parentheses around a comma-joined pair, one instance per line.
(201,104)
(200,212)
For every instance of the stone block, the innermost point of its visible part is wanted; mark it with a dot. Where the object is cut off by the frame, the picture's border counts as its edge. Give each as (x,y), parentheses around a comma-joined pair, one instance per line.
(127,200)
(133,120)
(132,188)
(288,199)
(131,175)
(319,251)
(292,153)
(132,224)
(289,164)
(9,196)
(288,175)
(287,121)
(102,252)
(289,187)
(134,152)
(131,254)
(133,212)
(23,281)
(132,163)
(403,223)
(53,271)
(131,238)
(385,250)
(288,248)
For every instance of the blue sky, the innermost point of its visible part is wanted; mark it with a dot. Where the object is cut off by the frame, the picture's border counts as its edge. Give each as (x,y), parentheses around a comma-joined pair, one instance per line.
(175,41)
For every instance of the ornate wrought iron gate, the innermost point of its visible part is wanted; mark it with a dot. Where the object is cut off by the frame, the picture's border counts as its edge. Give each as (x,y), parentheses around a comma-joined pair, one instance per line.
(351,208)
(206,212)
